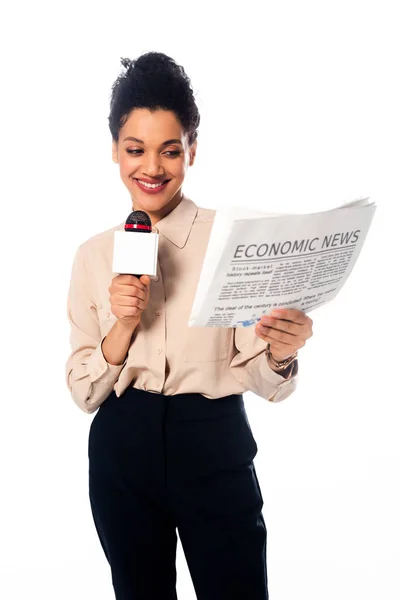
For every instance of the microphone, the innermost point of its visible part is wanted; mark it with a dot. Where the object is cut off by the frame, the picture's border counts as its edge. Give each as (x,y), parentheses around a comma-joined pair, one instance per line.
(136,253)
(138,220)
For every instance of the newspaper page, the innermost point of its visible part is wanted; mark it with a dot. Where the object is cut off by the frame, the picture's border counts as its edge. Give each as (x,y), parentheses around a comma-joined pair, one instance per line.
(256,262)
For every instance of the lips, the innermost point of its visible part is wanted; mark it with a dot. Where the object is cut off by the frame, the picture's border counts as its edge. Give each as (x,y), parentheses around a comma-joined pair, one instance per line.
(151,180)
(151,190)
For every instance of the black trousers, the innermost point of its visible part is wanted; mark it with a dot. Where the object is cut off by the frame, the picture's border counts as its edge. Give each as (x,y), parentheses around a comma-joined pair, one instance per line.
(160,463)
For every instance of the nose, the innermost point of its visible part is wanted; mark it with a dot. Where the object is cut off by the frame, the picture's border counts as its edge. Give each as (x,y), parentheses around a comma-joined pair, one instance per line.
(153,165)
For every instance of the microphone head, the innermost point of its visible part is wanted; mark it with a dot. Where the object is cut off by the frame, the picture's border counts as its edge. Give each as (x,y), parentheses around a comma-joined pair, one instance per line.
(138,220)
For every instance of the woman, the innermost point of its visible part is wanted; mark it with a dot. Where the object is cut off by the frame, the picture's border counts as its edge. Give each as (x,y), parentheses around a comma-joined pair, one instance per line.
(170,446)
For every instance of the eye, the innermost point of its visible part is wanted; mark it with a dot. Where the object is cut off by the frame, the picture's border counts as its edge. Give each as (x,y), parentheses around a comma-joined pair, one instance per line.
(171,153)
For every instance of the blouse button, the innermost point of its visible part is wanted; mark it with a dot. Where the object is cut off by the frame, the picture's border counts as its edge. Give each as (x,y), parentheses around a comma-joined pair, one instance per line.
(158,313)
(156,278)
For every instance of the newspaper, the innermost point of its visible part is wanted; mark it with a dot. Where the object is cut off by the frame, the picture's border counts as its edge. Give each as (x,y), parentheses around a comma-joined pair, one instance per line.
(256,262)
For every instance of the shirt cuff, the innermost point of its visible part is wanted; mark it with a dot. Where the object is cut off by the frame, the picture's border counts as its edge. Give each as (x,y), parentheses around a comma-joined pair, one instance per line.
(285,386)
(101,370)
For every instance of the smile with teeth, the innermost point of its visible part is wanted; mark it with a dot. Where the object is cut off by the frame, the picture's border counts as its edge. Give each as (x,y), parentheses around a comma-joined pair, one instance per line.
(151,185)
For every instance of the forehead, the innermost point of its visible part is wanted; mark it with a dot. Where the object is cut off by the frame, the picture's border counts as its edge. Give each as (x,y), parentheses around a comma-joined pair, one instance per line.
(152,126)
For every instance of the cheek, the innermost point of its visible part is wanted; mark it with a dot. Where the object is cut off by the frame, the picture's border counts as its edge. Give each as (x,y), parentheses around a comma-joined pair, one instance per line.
(179,169)
(125,168)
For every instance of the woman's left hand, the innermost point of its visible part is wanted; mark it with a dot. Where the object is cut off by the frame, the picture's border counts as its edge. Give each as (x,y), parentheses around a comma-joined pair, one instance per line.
(286,330)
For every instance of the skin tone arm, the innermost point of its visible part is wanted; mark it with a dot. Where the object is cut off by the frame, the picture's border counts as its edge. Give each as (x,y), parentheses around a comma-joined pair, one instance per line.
(129,297)
(117,342)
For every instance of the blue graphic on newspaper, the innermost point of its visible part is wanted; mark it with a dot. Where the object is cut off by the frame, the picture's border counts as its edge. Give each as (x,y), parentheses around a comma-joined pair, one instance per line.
(249,322)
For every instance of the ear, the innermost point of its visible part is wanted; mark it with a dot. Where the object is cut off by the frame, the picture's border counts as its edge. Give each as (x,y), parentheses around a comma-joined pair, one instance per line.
(115,152)
(193,149)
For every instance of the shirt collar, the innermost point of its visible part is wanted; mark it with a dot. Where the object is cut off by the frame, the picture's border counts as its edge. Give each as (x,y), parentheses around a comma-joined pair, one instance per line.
(176,226)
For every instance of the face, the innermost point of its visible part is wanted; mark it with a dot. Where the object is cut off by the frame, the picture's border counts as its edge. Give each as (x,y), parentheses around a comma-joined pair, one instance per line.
(153,149)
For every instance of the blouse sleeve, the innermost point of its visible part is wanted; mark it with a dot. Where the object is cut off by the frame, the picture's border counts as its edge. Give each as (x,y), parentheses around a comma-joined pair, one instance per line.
(89,377)
(250,367)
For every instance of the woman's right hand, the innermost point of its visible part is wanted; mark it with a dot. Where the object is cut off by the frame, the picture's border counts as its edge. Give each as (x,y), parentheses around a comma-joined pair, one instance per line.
(129,297)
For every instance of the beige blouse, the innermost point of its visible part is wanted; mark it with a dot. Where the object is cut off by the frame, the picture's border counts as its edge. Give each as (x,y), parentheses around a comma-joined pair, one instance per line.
(166,356)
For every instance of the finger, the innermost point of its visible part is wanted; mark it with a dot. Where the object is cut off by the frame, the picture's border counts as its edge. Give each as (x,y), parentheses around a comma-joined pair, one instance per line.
(138,302)
(129,301)
(135,306)
(126,311)
(145,279)
(126,290)
(281,325)
(131,291)
(280,346)
(126,279)
(290,314)
(278,336)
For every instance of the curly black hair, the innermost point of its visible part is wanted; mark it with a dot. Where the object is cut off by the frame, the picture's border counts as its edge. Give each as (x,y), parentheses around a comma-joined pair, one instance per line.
(153,81)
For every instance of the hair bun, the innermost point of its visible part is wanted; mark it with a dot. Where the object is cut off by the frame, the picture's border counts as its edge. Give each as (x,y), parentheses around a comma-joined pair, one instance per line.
(126,62)
(153,81)
(154,60)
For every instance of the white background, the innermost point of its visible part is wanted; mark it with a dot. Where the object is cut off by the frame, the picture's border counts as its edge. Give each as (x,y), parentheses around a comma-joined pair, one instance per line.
(299,107)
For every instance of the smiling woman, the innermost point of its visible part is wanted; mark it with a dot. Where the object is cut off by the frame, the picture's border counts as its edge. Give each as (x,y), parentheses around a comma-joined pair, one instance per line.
(153,122)
(170,446)
(153,164)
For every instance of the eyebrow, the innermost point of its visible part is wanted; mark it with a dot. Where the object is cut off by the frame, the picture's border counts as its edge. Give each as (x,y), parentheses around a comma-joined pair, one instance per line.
(166,143)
